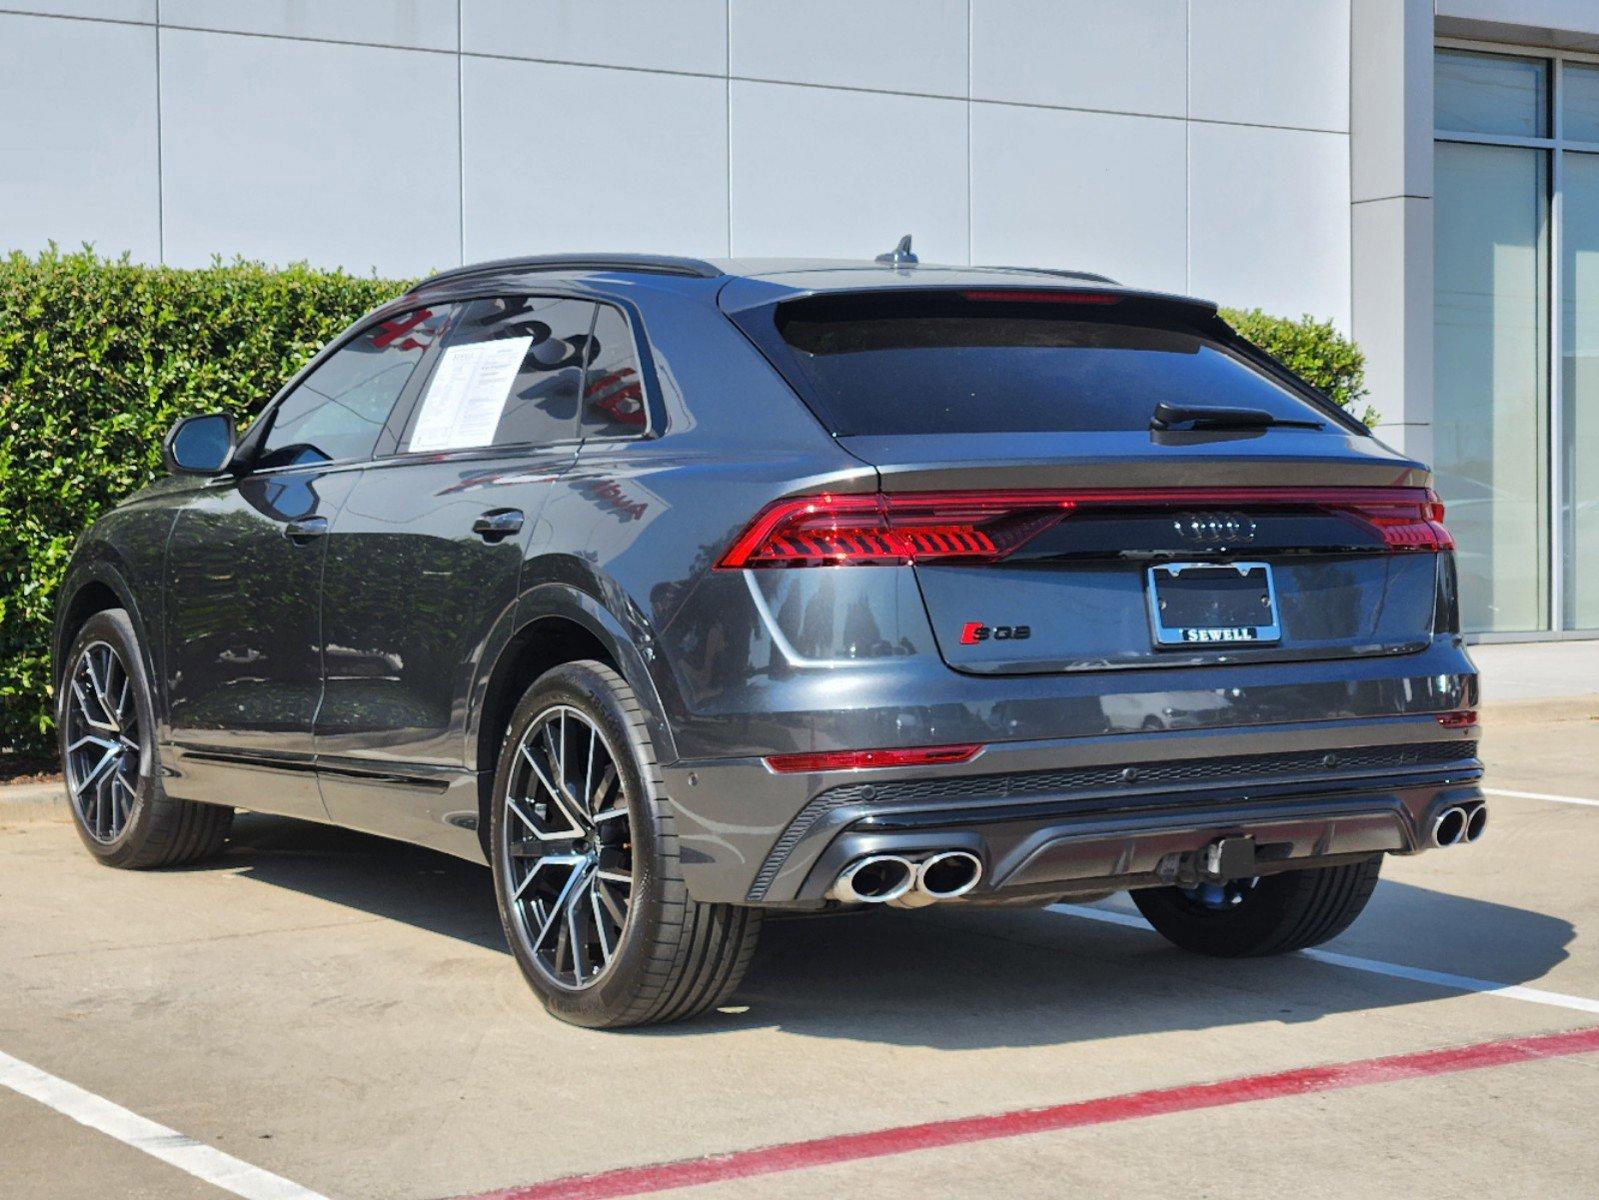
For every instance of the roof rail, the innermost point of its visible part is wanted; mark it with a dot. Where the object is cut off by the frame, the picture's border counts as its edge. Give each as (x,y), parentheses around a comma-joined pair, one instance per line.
(656,264)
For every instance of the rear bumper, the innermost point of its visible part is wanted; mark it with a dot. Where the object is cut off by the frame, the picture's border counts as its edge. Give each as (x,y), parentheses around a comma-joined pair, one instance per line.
(1051,853)
(1123,814)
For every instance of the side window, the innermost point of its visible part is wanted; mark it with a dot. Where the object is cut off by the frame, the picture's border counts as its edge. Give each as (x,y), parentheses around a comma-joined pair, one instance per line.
(338,410)
(510,375)
(613,392)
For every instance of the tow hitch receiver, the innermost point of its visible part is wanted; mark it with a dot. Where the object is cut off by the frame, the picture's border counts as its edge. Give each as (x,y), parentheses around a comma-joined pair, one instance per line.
(1228,858)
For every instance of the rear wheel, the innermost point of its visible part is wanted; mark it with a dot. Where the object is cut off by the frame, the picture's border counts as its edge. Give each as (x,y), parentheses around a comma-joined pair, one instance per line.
(1274,914)
(586,865)
(105,720)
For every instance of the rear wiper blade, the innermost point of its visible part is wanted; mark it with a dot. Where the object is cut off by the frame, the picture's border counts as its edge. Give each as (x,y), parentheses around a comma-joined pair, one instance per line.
(1167,416)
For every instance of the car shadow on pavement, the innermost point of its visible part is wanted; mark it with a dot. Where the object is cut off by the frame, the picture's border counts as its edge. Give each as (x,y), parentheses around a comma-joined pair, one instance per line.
(937,977)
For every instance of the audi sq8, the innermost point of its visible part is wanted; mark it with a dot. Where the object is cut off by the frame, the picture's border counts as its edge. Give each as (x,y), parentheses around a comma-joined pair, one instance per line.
(684,592)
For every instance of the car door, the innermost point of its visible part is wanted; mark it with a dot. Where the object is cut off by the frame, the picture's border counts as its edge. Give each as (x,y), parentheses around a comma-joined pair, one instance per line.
(243,657)
(423,563)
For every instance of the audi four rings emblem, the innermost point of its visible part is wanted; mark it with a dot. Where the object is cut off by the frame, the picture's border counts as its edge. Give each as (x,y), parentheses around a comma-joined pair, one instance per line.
(1214,528)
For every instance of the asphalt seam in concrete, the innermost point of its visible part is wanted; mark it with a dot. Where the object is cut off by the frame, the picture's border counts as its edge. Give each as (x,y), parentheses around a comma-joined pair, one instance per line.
(905,1139)
(1372,966)
(194,1158)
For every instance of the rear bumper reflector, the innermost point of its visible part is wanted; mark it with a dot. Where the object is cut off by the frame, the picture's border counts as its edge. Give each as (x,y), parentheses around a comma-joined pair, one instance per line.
(856,760)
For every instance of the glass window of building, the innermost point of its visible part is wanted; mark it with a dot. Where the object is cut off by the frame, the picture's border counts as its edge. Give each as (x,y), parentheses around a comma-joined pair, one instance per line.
(1516,346)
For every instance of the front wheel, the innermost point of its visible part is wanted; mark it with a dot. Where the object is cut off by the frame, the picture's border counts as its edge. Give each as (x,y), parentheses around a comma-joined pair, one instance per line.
(1274,914)
(105,719)
(586,864)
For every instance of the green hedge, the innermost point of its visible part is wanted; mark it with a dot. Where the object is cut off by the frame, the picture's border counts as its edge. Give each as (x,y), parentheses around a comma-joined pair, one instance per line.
(1313,350)
(98,358)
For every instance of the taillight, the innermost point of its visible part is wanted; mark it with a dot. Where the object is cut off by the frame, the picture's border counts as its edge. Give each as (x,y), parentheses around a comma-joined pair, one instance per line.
(1465,718)
(855,760)
(1412,522)
(880,530)
(977,527)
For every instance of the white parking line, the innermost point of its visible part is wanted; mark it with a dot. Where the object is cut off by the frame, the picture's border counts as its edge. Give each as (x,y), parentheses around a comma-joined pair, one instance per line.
(1540,796)
(1459,983)
(203,1162)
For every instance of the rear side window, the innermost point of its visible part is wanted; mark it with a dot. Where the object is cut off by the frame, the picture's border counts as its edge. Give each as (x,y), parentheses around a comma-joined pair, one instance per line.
(944,363)
(337,411)
(613,393)
(510,375)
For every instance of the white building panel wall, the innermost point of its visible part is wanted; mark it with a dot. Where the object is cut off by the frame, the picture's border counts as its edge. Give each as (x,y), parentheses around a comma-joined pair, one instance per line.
(1269,219)
(818,171)
(282,150)
(418,24)
(79,136)
(1082,54)
(888,45)
(1270,62)
(1086,191)
(562,158)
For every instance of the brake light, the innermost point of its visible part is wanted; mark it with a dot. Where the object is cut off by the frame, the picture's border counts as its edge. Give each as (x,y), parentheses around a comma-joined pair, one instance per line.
(1464,719)
(1037,296)
(855,760)
(981,527)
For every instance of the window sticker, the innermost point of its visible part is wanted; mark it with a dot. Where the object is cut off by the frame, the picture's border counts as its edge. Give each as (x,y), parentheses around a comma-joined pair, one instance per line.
(466,396)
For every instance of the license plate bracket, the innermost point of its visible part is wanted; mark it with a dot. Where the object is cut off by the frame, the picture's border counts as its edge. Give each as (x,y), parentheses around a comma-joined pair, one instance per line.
(1212,604)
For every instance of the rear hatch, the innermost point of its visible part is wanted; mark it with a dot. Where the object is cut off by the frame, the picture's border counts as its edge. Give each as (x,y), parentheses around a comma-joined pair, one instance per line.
(1057,522)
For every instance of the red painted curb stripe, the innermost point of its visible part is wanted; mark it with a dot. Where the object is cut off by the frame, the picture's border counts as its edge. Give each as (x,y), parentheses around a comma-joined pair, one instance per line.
(795,1156)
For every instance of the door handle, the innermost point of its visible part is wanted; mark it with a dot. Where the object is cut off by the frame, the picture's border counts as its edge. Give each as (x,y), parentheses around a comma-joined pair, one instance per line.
(498,523)
(305,529)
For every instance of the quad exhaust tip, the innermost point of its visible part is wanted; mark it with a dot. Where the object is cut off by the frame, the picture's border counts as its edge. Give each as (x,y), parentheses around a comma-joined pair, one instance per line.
(949,875)
(875,879)
(1449,826)
(893,879)
(1459,824)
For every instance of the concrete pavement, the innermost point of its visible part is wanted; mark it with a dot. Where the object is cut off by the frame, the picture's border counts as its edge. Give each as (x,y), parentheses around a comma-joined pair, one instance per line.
(341,1011)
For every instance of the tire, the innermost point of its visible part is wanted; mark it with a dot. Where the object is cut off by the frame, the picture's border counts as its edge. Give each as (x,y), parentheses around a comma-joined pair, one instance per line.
(1275,914)
(670,957)
(122,813)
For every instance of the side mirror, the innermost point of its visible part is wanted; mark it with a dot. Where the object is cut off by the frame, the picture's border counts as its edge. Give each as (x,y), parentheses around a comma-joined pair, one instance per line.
(199,445)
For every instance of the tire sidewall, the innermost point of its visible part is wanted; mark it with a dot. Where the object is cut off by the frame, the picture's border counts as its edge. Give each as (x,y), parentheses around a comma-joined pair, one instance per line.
(581,686)
(114,627)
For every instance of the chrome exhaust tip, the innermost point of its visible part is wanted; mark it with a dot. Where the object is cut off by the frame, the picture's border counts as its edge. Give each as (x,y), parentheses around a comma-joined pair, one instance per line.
(1449,826)
(1476,823)
(949,875)
(875,879)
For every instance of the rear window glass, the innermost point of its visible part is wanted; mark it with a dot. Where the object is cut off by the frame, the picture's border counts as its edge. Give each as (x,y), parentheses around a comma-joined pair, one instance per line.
(945,364)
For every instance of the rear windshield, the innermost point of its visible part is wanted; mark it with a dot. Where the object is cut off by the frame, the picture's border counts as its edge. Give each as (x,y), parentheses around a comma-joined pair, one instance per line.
(943,363)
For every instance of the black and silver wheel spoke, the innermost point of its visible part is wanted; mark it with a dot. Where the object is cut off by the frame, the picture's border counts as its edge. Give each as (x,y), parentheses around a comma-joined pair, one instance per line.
(102,742)
(568,847)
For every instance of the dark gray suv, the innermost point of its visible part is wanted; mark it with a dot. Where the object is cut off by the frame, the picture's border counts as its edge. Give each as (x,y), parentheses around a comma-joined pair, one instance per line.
(686,591)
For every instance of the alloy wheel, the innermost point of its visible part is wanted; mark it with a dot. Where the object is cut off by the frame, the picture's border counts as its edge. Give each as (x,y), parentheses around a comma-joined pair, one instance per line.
(567,847)
(103,753)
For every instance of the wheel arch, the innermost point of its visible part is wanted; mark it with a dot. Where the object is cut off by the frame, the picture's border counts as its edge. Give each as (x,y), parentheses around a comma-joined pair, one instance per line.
(93,589)
(552,623)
